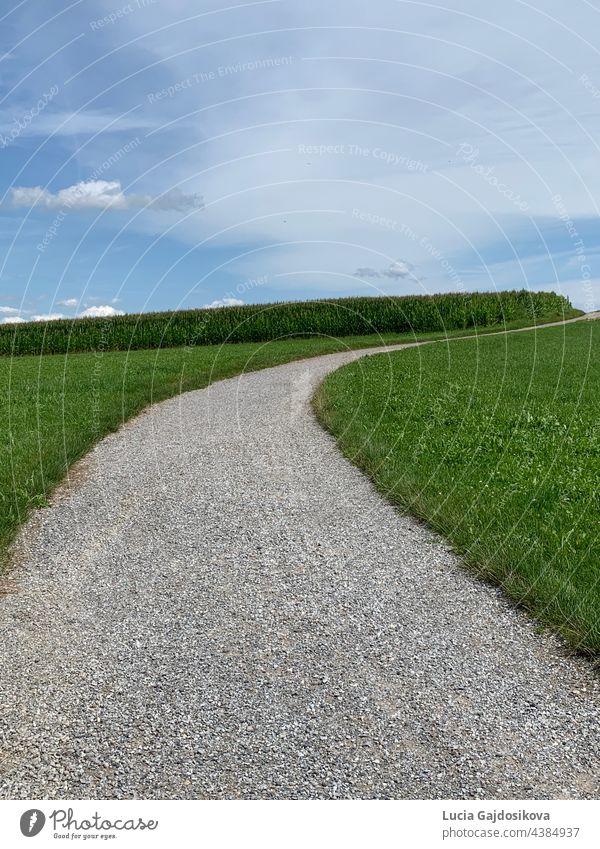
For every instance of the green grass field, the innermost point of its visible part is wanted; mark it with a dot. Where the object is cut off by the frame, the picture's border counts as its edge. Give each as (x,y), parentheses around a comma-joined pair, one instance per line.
(495,443)
(54,408)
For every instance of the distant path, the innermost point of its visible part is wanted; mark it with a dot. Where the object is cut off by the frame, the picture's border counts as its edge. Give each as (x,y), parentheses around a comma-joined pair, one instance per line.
(223,606)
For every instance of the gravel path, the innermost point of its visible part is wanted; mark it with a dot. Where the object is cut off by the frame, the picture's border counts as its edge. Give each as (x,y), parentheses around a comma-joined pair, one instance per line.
(224,607)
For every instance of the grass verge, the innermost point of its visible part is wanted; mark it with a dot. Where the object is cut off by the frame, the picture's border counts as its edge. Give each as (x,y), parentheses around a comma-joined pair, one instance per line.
(496,444)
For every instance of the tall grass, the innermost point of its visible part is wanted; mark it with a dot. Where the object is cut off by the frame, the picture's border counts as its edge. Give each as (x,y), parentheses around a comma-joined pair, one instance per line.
(266,322)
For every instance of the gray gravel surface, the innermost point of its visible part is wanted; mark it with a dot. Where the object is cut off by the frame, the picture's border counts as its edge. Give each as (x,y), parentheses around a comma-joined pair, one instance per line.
(223,607)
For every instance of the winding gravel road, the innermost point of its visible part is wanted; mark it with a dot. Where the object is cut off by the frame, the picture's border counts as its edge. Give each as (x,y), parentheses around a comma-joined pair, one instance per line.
(222,606)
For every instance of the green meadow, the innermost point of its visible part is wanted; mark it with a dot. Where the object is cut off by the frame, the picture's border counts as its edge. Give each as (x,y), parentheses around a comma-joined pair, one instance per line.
(495,443)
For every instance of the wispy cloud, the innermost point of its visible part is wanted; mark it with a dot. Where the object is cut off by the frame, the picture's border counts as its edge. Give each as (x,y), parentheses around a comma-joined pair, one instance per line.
(295,147)
(33,121)
(398,270)
(102,194)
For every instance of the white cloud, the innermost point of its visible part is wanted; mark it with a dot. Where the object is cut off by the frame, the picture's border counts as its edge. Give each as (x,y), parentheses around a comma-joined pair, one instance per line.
(101,194)
(51,316)
(101,311)
(399,269)
(69,302)
(8,310)
(224,302)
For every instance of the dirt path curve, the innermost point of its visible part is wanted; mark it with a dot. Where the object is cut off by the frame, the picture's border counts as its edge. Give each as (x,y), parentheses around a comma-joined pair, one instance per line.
(225,607)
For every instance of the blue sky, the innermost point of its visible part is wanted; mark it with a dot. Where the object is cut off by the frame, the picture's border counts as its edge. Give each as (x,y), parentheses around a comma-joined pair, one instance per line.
(160,155)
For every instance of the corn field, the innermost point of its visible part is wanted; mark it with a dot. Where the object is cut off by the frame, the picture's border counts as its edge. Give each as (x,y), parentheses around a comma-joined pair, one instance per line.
(266,322)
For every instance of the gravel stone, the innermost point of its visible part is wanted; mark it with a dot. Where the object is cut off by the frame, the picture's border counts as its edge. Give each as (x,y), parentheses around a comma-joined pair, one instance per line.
(221,606)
